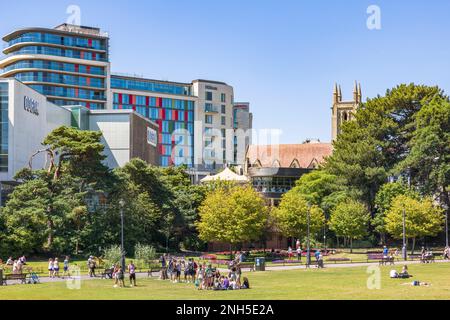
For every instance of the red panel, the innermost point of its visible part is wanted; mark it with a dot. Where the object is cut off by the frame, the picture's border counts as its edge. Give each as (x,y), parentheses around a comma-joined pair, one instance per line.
(88,69)
(163,114)
(94,56)
(77,68)
(88,105)
(186,116)
(174,115)
(134,108)
(147,101)
(90,42)
(120,98)
(159,102)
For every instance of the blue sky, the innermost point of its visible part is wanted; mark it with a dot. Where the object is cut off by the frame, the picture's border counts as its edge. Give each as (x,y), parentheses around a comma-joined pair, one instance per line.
(282,56)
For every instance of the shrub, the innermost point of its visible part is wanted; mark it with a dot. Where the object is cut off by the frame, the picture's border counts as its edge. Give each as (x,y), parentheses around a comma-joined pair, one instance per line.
(144,254)
(112,255)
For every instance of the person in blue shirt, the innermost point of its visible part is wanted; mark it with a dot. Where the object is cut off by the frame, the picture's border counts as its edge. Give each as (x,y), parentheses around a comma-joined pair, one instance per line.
(385,252)
(317,255)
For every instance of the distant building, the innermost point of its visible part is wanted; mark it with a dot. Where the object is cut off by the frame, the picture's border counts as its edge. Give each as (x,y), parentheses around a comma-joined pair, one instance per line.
(274,169)
(27,117)
(71,65)
(344,111)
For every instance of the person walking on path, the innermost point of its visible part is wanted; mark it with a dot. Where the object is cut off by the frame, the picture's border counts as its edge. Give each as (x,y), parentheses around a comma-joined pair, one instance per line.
(91,266)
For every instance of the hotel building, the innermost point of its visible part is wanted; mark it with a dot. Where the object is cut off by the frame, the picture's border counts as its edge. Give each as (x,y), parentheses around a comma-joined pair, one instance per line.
(70,66)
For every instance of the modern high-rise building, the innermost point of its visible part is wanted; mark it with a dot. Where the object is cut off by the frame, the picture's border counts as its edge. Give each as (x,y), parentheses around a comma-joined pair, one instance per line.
(243,123)
(344,111)
(70,65)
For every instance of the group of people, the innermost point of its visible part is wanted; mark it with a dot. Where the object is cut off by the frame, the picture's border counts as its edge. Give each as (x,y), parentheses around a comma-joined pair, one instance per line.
(118,275)
(402,275)
(17,265)
(426,255)
(54,267)
(203,275)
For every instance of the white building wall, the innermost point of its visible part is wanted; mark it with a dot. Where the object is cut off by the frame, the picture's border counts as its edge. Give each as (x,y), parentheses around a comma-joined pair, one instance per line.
(28,130)
(116,135)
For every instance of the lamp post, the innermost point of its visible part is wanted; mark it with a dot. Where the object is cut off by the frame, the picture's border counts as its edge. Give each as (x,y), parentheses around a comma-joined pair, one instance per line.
(404,253)
(122,249)
(308,248)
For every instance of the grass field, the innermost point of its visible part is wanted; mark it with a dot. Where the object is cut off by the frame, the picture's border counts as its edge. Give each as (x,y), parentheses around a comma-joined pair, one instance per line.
(332,284)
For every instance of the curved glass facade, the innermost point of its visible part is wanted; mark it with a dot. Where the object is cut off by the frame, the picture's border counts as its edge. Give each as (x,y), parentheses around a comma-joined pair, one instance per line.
(60,79)
(4,125)
(60,40)
(69,92)
(68,53)
(54,65)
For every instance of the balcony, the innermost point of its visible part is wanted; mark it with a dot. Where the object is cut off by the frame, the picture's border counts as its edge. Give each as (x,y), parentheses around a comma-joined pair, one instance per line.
(209,108)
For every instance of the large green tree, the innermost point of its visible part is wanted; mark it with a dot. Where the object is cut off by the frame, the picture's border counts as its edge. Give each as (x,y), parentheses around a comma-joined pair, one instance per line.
(291,217)
(422,218)
(233,215)
(369,149)
(350,219)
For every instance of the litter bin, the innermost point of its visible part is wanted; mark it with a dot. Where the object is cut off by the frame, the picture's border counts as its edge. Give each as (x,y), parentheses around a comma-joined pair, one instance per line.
(260,264)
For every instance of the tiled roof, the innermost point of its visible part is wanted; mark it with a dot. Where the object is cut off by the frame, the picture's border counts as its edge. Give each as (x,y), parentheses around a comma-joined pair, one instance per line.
(308,155)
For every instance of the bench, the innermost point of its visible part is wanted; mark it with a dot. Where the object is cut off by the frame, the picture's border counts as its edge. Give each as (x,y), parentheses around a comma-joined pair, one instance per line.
(152,271)
(20,277)
(108,273)
(380,258)
(427,259)
(247,265)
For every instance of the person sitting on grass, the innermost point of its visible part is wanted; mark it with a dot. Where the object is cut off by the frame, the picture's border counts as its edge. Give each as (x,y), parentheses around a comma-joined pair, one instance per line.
(404,274)
(245,284)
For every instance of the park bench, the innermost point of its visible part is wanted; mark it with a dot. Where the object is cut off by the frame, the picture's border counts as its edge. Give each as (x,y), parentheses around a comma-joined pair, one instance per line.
(247,265)
(380,258)
(152,271)
(107,273)
(427,259)
(19,277)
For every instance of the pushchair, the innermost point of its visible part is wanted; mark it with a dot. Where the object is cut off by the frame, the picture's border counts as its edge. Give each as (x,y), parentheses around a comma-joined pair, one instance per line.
(33,278)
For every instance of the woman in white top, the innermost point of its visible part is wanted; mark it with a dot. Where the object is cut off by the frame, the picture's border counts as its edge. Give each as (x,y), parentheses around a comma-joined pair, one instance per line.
(50,268)
(56,268)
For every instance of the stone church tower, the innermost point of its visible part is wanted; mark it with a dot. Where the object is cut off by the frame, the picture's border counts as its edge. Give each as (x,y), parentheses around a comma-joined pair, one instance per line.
(343,110)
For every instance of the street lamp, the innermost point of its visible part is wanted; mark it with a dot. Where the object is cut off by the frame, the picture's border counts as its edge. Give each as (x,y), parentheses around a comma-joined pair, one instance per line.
(122,249)
(308,248)
(404,253)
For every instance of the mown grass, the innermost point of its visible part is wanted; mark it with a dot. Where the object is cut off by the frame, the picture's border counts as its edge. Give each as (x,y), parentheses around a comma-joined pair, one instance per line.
(331,284)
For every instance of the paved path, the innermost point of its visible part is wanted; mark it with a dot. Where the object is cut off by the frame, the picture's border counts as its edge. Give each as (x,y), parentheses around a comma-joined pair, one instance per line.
(268,268)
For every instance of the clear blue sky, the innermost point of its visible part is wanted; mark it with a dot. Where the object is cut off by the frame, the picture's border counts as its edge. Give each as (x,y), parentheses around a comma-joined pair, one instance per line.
(282,56)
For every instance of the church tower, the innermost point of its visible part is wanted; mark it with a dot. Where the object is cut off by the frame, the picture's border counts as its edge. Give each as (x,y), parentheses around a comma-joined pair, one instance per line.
(343,111)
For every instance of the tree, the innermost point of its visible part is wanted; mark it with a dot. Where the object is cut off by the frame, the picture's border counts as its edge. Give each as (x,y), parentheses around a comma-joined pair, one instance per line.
(350,219)
(291,216)
(429,159)
(383,200)
(232,216)
(368,149)
(422,218)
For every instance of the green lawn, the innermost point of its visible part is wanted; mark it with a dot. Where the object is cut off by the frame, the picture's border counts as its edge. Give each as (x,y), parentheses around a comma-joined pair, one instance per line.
(337,283)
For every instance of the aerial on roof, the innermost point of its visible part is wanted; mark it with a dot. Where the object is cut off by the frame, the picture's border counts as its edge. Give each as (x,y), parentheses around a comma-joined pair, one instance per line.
(306,155)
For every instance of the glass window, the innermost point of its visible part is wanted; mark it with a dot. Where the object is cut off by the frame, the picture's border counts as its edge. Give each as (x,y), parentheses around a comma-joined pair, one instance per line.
(208,95)
(223,97)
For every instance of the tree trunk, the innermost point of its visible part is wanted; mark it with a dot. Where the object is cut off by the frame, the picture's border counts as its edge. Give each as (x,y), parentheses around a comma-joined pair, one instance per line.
(413,245)
(231,251)
(50,233)
(351,245)
(337,242)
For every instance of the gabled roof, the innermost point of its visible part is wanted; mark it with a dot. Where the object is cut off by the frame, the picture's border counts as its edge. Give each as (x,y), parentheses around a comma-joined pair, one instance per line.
(225,175)
(307,155)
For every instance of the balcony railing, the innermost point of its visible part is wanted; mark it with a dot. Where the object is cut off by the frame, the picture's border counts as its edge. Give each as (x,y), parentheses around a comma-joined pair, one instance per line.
(211,109)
